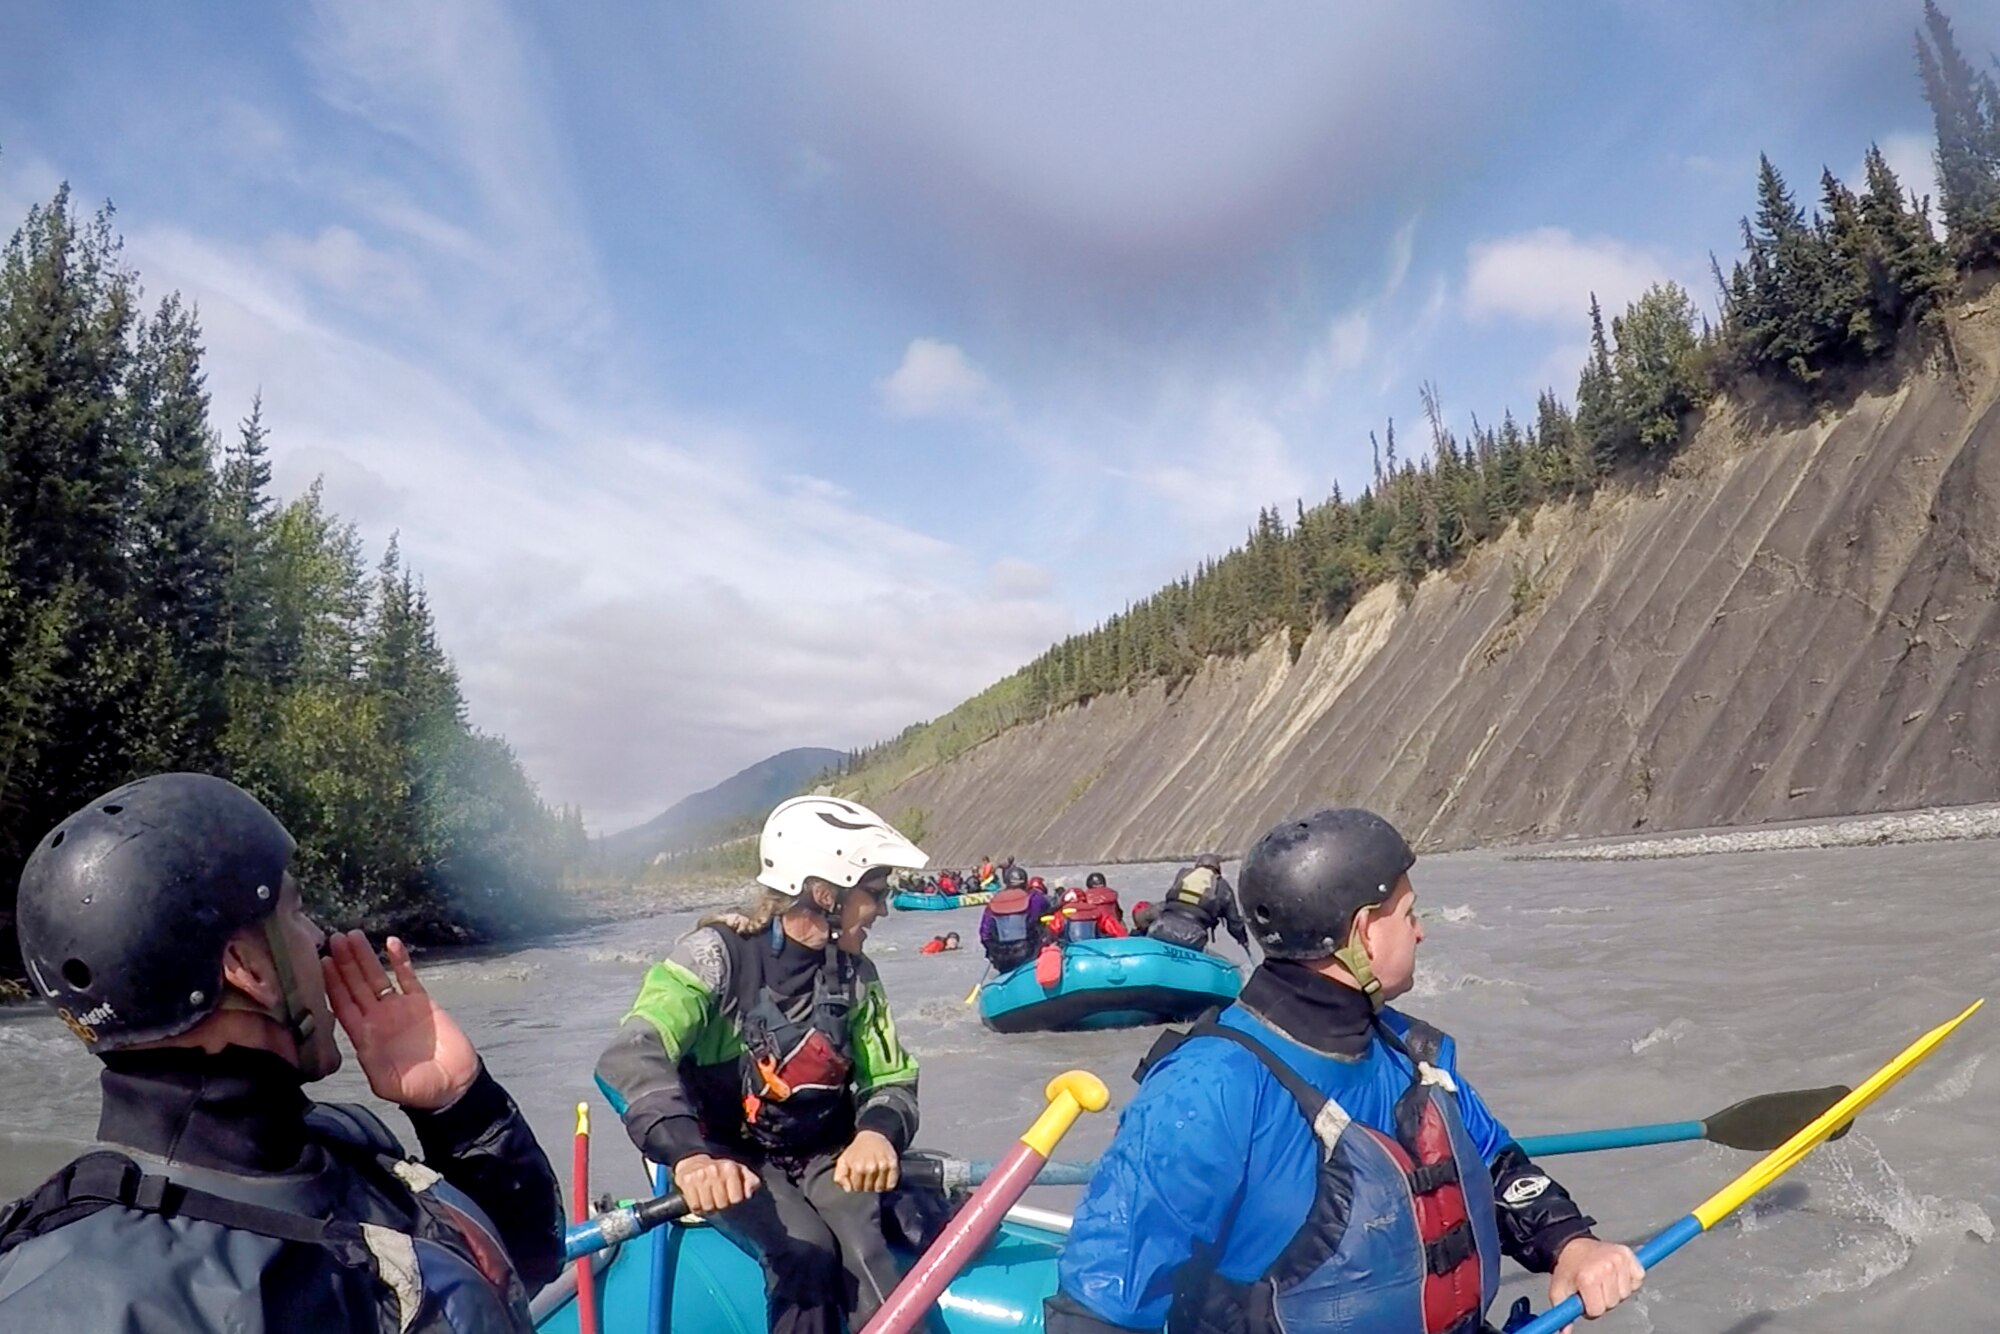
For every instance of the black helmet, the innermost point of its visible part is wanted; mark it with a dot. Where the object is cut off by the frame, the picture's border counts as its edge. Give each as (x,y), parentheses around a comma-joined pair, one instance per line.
(1211,860)
(1304,881)
(1095,880)
(127,906)
(1017,877)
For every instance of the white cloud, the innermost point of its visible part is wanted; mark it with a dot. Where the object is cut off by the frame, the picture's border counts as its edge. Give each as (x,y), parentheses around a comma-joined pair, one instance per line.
(935,380)
(1239,462)
(350,269)
(640,607)
(1342,348)
(1014,578)
(1547,276)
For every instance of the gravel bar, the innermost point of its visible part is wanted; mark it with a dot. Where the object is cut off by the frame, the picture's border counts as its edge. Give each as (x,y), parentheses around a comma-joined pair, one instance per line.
(1930,826)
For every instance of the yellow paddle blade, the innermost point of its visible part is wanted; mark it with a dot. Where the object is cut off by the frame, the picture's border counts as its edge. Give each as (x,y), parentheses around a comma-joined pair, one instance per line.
(973,994)
(1787,1155)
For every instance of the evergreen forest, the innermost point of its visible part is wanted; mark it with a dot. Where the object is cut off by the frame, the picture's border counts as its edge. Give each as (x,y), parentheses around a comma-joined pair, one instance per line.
(161,609)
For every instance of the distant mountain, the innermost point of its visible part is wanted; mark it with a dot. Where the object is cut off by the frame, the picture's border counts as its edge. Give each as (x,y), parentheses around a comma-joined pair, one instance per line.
(708,815)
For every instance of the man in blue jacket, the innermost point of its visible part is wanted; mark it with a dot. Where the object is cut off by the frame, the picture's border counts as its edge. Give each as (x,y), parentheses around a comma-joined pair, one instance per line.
(1310,1160)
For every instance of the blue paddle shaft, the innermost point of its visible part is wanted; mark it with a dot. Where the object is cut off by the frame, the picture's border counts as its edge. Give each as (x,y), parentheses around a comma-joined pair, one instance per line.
(1659,1248)
(1625,1137)
(1053,1173)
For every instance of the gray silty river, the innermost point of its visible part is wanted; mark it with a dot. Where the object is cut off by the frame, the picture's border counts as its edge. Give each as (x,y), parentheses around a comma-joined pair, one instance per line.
(1582,994)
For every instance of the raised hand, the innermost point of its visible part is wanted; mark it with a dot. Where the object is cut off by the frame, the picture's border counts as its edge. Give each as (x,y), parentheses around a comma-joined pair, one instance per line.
(413,1053)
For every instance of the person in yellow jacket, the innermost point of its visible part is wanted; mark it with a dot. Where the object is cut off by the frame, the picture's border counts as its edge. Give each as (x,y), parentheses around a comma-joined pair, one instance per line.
(760,1063)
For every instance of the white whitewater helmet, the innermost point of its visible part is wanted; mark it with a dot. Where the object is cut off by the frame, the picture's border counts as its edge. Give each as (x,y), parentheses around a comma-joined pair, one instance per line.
(839,841)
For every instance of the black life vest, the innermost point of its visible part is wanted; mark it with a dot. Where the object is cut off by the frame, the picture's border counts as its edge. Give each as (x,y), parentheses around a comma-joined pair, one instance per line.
(442,1269)
(1189,893)
(796,1092)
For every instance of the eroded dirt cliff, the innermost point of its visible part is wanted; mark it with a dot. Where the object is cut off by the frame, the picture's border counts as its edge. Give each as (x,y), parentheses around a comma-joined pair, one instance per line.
(1792,622)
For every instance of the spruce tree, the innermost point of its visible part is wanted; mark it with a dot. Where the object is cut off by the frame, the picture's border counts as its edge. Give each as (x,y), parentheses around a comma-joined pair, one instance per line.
(1916,275)
(1965,109)
(178,574)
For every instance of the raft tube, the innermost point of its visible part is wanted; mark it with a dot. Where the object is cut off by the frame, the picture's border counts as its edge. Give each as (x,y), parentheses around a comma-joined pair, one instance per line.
(1110,983)
(714,1288)
(935,902)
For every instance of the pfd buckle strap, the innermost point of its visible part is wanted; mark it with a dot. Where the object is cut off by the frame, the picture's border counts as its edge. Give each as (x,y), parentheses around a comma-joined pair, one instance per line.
(106,1178)
(1432,1176)
(1451,1250)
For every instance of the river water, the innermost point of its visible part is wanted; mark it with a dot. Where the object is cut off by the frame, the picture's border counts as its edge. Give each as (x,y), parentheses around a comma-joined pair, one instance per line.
(1582,995)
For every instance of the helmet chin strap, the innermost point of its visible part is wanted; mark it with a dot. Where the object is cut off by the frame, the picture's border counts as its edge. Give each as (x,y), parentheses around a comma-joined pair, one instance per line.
(1353,956)
(291,1013)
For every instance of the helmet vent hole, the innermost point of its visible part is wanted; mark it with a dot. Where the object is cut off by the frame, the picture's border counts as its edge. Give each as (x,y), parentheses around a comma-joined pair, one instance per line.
(56,842)
(1262,914)
(77,973)
(113,809)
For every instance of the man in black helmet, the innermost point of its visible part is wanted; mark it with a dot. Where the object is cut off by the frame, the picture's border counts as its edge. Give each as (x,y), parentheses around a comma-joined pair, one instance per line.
(1309,1160)
(1199,901)
(162,926)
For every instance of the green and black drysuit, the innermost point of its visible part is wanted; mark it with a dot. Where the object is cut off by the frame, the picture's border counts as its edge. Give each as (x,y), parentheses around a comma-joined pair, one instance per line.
(760,1049)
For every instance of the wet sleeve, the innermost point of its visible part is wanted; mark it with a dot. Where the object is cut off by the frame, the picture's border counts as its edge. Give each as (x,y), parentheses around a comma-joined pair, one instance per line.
(1161,1195)
(482,1145)
(640,1071)
(1537,1217)
(885,1074)
(1232,918)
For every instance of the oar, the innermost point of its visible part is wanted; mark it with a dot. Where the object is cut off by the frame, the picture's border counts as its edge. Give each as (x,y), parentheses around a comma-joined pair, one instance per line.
(1760,1123)
(586,1287)
(1768,1169)
(622,1224)
(1070,1095)
(973,994)
(941,1172)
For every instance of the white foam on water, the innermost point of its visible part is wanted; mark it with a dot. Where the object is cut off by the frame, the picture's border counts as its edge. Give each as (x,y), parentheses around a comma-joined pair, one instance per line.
(1882,1224)
(623,958)
(1949,1089)
(1432,983)
(1456,915)
(1672,1032)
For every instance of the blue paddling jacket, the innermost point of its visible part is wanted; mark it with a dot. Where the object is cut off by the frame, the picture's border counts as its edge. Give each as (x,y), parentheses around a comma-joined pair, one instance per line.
(1312,1167)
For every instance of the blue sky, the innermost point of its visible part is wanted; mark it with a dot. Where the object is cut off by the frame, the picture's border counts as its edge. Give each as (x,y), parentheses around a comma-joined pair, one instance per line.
(747,376)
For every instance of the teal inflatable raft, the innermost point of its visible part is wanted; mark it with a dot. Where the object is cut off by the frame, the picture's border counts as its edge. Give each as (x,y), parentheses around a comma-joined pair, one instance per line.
(936,902)
(710,1287)
(1110,983)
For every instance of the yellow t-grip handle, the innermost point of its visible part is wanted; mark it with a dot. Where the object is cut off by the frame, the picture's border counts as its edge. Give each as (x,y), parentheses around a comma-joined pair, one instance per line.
(583,1118)
(1070,1094)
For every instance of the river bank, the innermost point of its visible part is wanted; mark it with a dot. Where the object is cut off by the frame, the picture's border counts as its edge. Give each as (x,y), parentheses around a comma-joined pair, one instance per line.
(1935,825)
